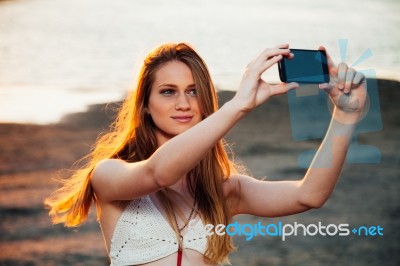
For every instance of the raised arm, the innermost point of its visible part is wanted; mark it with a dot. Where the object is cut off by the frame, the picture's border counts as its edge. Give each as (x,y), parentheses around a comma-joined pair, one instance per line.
(347,90)
(115,179)
(119,180)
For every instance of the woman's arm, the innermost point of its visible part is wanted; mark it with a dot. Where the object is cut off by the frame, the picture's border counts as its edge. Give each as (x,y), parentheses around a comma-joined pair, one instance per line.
(119,180)
(280,198)
(115,179)
(347,91)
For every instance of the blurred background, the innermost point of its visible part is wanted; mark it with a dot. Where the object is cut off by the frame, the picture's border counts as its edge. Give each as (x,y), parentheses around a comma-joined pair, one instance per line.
(61,61)
(67,54)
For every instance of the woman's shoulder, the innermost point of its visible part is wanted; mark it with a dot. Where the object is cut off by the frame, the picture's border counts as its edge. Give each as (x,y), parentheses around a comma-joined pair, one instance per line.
(105,173)
(116,179)
(106,167)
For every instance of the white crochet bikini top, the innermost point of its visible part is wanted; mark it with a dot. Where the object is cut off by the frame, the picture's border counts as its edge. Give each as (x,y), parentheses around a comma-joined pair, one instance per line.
(143,235)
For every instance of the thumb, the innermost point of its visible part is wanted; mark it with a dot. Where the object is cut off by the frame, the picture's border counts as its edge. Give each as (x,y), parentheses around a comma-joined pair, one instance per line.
(283,87)
(332,91)
(325,86)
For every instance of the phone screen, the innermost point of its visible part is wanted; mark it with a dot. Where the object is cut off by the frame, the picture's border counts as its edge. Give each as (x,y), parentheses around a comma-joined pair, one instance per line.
(307,66)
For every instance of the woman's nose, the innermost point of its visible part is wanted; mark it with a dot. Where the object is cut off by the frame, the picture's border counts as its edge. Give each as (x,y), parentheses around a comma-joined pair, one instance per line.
(182,103)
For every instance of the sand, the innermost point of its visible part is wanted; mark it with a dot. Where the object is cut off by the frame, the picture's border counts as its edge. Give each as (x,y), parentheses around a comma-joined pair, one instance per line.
(367,194)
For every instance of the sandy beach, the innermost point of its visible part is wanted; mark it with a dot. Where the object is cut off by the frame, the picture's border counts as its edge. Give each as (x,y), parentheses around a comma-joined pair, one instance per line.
(366,195)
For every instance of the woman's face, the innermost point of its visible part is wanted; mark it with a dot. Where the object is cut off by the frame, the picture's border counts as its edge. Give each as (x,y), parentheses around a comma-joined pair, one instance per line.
(173,103)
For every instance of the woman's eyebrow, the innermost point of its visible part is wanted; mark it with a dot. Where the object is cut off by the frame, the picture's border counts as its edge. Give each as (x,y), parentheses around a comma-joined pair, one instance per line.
(168,85)
(174,85)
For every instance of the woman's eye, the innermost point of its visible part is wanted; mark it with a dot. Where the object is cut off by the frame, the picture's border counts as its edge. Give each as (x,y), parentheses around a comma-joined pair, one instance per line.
(192,92)
(167,92)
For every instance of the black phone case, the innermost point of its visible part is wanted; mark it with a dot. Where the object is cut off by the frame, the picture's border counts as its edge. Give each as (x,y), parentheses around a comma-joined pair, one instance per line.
(283,74)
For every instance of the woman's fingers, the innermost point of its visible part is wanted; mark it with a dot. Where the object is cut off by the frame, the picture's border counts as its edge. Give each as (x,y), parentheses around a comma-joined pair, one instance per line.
(282,88)
(342,81)
(265,60)
(282,46)
(350,73)
(270,53)
(348,78)
(270,62)
(341,75)
(271,56)
(358,78)
(331,65)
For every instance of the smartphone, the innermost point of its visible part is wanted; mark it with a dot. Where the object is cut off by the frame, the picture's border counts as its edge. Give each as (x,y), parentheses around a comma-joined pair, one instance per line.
(307,66)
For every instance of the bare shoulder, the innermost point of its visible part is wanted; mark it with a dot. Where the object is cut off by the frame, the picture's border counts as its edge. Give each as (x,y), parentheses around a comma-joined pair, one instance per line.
(103,173)
(106,170)
(106,167)
(116,179)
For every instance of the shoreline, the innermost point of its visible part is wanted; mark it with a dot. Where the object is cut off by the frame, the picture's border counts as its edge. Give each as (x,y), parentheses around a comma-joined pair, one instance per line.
(85,108)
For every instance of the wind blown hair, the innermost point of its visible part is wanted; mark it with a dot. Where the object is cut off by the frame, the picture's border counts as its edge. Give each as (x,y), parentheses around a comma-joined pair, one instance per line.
(132,138)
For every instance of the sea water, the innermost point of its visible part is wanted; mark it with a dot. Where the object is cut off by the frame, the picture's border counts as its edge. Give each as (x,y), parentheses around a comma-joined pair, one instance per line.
(58,56)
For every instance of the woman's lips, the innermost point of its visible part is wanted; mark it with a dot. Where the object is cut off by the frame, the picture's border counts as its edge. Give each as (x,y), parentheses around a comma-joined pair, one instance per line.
(182,118)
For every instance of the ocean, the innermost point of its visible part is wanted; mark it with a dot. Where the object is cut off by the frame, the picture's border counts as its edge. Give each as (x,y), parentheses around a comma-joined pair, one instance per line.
(59,56)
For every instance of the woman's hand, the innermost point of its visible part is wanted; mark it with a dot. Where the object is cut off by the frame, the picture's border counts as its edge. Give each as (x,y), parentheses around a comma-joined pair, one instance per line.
(253,90)
(347,91)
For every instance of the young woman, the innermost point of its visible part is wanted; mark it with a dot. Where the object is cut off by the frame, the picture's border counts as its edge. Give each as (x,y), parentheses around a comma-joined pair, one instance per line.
(164,163)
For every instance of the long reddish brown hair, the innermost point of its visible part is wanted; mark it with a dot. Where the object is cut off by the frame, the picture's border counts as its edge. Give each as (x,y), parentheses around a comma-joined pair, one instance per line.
(132,138)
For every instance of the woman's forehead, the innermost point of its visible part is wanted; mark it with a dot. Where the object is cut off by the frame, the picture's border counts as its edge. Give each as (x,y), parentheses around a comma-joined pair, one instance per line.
(173,72)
